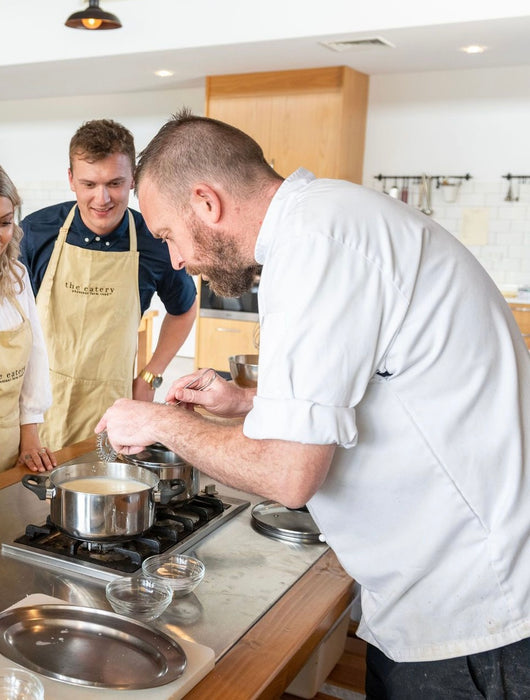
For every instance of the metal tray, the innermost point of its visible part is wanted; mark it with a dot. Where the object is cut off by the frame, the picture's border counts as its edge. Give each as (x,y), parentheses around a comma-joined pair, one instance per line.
(89,647)
(281,523)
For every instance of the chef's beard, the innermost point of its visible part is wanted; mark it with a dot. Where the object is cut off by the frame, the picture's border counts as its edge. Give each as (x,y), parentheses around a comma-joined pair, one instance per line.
(224,267)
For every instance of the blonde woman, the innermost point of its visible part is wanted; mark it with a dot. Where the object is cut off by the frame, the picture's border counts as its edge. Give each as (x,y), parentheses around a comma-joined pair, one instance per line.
(24,380)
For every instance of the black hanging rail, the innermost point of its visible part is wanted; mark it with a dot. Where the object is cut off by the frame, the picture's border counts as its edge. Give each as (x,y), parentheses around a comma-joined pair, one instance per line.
(418,178)
(509,176)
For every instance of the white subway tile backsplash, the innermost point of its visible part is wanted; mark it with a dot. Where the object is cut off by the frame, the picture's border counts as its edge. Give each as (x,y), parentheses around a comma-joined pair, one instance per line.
(506,256)
(517,251)
(36,195)
(513,212)
(511,238)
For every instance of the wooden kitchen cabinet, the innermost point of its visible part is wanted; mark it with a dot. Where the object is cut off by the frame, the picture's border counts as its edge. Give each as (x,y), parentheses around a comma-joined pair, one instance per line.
(313,118)
(522,316)
(218,338)
(145,339)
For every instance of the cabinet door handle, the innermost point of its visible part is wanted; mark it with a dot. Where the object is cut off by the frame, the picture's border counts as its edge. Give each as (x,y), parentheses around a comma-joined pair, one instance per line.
(227,330)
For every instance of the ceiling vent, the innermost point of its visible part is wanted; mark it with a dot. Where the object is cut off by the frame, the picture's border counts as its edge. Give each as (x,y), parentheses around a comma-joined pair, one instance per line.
(357,44)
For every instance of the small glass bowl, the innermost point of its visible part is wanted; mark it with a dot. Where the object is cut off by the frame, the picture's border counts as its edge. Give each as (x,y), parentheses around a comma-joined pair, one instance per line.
(182,573)
(17,684)
(139,597)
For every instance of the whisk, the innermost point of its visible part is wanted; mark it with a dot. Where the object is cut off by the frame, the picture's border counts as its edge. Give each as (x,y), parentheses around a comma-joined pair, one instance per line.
(107,453)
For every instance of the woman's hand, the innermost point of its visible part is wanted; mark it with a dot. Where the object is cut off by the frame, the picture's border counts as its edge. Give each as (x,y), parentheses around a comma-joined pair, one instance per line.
(32,454)
(205,388)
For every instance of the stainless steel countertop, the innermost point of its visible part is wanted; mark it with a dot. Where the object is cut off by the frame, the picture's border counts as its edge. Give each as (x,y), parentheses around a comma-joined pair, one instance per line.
(246,573)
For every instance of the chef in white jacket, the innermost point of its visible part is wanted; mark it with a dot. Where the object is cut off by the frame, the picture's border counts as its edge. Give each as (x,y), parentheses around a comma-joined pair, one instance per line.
(393,399)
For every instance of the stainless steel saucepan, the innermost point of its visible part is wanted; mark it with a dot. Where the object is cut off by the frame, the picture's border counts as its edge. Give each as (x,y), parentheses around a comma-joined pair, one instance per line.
(170,468)
(101,500)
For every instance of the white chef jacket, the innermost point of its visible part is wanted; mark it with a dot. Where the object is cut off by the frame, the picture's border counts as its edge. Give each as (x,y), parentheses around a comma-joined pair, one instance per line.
(382,334)
(35,397)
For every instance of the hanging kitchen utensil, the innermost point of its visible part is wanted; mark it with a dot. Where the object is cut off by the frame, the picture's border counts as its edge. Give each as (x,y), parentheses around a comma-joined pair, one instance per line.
(394,191)
(509,194)
(450,189)
(405,190)
(426,185)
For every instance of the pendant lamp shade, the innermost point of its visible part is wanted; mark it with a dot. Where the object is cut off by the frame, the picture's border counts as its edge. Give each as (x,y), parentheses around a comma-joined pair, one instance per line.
(93,18)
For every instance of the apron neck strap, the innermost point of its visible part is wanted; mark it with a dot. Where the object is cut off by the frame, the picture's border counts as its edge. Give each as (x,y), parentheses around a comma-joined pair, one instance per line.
(63,231)
(132,232)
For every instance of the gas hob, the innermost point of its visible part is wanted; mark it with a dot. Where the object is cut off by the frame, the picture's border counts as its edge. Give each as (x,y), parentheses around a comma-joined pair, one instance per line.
(177,528)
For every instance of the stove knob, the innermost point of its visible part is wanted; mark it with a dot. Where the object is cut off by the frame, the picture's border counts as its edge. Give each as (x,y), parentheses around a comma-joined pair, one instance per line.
(210,490)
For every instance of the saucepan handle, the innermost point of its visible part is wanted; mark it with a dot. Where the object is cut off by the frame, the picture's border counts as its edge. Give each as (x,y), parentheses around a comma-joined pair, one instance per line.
(169,490)
(37,484)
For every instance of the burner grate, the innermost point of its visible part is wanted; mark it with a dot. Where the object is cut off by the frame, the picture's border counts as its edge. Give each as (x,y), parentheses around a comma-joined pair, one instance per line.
(177,526)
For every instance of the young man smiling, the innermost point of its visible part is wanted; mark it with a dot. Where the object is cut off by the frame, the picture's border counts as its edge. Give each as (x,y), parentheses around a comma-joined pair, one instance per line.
(94,268)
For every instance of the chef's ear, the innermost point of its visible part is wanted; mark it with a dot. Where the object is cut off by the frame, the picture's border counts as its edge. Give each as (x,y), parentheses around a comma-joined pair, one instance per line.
(71,179)
(206,203)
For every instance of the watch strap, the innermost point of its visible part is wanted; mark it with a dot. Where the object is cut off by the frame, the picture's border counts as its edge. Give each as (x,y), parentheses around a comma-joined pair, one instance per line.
(151,378)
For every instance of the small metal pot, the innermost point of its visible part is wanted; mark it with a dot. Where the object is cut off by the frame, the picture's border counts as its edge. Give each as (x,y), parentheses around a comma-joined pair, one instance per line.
(101,516)
(170,468)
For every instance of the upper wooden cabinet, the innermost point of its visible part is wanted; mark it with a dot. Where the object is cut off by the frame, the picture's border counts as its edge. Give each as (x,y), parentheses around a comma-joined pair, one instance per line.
(313,118)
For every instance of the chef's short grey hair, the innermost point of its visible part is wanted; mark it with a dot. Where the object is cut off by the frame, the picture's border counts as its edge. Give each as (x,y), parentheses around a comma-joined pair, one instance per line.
(190,149)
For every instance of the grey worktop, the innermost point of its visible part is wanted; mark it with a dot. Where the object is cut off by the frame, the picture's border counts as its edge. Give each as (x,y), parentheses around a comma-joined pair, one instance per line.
(246,573)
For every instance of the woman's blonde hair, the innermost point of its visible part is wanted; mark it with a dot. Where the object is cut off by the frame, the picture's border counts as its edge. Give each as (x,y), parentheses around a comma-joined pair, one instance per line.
(11,271)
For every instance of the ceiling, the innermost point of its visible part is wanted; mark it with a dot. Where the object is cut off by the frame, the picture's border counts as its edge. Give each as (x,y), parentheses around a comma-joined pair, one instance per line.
(120,62)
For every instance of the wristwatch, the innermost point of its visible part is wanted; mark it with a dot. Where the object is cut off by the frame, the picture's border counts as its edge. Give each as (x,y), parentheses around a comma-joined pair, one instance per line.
(154,380)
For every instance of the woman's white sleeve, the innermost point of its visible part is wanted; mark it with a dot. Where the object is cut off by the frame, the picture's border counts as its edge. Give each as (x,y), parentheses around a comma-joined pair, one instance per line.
(36,395)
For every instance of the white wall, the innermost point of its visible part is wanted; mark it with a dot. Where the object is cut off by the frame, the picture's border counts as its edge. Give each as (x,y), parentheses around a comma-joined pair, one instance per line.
(457,122)
(34,134)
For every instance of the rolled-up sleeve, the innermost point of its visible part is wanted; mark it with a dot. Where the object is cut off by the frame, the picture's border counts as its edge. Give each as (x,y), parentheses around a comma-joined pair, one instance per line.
(327,316)
(301,421)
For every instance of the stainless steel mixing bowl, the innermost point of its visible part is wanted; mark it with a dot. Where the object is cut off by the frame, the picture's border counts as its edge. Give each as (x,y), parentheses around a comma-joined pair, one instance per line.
(244,370)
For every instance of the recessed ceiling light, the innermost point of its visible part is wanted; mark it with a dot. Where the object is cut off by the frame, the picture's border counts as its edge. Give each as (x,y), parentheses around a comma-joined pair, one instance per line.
(164,73)
(473,48)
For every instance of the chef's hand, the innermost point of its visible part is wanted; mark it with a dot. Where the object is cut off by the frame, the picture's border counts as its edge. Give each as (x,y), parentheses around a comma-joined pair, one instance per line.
(32,454)
(130,425)
(205,388)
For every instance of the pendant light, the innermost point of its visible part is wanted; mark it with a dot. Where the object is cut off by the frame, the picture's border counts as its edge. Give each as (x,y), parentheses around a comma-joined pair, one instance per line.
(93,18)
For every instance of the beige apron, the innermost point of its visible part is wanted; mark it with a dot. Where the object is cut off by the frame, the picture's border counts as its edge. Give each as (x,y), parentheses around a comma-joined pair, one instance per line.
(89,308)
(15,349)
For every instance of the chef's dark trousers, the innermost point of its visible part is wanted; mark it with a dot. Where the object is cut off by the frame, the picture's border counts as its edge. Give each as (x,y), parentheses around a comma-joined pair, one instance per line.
(500,674)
